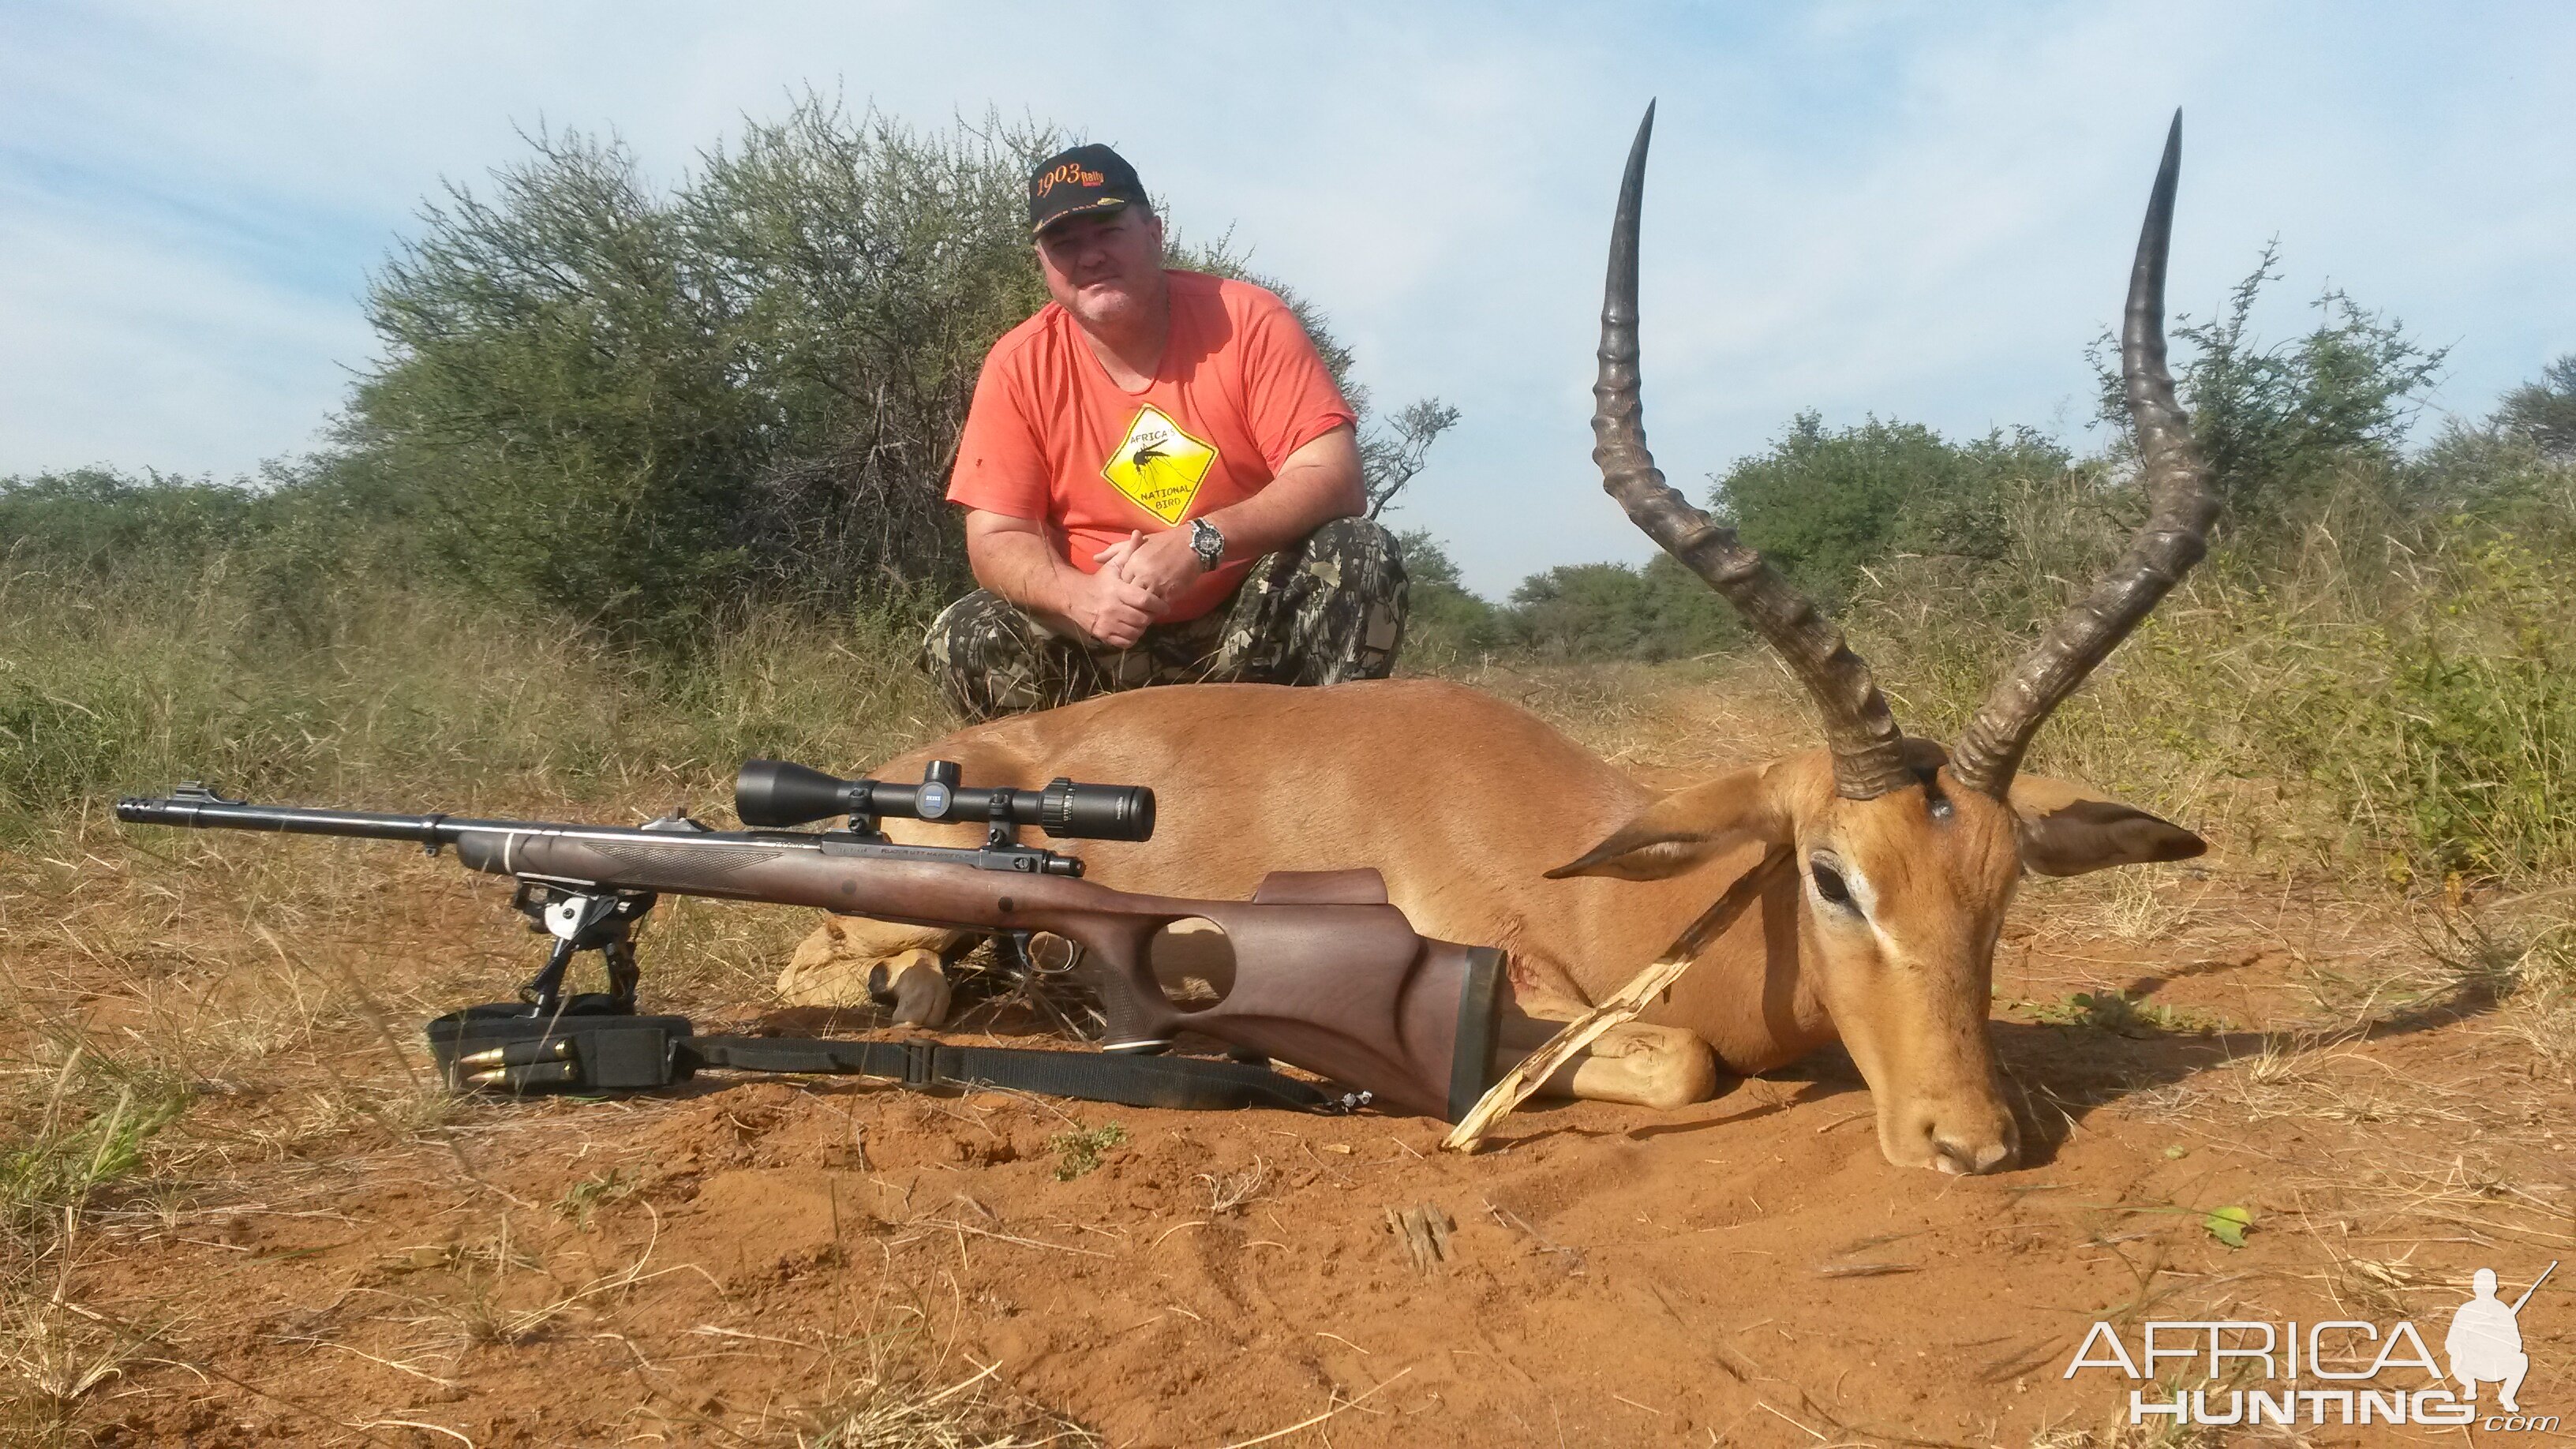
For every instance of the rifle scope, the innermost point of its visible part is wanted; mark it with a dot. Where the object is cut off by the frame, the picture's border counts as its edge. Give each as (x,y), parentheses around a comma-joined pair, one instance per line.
(774,794)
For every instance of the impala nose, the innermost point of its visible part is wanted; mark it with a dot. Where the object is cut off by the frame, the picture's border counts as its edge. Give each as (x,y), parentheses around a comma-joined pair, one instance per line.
(1967,1159)
(1962,1139)
(1959,1133)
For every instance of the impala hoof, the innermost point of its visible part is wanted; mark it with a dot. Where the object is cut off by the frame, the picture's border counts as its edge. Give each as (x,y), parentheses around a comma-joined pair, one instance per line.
(914,986)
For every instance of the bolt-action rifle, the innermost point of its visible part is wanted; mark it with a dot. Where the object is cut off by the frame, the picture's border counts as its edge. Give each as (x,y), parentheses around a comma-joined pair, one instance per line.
(1327,976)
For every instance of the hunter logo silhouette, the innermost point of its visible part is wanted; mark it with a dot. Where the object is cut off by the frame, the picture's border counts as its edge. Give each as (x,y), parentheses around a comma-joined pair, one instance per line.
(2331,1370)
(1157,466)
(2485,1341)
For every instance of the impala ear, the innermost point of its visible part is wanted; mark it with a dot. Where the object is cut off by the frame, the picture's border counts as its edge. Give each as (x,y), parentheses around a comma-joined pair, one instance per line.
(2063,831)
(1687,829)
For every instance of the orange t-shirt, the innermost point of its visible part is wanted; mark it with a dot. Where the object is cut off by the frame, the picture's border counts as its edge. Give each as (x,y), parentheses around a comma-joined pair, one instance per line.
(1049,437)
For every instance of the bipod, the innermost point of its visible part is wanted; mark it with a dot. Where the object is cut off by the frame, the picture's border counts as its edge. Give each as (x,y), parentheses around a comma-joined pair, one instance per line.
(602,921)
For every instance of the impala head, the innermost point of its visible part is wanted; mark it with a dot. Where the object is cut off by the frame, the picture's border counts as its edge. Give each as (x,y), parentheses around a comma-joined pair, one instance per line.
(1907,854)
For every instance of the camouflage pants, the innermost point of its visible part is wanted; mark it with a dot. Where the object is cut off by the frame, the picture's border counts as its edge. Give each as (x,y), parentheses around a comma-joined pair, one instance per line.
(1322,611)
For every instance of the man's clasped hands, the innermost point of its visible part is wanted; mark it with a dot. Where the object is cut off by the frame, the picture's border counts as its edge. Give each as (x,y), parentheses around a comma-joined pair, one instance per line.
(1139,578)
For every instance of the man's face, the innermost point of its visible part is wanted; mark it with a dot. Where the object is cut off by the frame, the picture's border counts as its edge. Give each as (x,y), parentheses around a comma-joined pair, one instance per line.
(1103,268)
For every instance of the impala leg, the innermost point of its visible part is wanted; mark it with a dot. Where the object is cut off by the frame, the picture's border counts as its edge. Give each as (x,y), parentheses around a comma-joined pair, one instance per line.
(849,960)
(1639,1064)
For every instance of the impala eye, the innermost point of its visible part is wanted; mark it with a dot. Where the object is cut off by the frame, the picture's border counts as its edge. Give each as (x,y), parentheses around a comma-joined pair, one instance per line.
(1829,882)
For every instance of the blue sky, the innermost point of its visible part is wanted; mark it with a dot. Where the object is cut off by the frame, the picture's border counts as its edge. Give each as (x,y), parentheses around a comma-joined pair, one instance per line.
(1922,212)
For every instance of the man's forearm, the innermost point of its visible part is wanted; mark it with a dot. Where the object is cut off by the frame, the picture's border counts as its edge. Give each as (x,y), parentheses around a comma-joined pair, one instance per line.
(1023,568)
(1319,483)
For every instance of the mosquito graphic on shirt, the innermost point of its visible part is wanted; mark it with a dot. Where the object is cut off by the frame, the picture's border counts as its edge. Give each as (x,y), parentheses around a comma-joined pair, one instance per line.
(1149,450)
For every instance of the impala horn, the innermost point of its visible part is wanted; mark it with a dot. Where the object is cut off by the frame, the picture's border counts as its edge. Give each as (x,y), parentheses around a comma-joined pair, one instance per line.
(1869,751)
(2180,504)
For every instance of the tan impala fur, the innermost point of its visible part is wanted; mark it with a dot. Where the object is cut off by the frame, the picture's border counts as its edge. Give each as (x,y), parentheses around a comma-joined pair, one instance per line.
(1465,803)
(1492,829)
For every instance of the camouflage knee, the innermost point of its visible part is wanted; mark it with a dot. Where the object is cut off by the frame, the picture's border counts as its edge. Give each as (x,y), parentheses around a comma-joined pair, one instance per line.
(1329,609)
(991,659)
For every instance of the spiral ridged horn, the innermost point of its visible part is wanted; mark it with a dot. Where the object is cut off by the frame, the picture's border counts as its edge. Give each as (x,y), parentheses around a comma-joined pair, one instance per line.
(1868,750)
(2180,507)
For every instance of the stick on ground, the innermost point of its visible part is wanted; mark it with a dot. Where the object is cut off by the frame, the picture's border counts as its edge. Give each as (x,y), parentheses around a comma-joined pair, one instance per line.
(1623,1006)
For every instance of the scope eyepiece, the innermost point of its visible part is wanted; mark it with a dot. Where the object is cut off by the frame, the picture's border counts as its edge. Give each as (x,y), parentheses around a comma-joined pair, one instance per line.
(774,794)
(1095,812)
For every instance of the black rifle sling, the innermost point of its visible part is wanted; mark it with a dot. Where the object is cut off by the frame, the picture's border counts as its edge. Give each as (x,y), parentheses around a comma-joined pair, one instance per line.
(1135,1081)
(593,1045)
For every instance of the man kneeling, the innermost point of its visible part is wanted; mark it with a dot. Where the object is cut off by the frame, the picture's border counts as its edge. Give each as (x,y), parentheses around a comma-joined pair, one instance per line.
(1161,481)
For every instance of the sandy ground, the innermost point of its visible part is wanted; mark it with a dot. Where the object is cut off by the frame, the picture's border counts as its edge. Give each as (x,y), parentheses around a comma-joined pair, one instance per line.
(325,1250)
(746,1260)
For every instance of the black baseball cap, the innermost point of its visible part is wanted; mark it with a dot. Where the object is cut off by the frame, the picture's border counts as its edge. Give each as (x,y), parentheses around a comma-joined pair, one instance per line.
(1089,178)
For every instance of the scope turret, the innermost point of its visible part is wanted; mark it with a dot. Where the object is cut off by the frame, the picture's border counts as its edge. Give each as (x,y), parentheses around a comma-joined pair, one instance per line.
(774,794)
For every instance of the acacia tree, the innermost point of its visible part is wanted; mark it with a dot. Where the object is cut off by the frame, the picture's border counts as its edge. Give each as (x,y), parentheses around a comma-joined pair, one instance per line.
(1391,459)
(1825,504)
(2543,413)
(2278,423)
(870,268)
(644,406)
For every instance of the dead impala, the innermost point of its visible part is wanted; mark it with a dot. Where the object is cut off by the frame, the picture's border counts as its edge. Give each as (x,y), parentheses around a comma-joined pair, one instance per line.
(1892,860)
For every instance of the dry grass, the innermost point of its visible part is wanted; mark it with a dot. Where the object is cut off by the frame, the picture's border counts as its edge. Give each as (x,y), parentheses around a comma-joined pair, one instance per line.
(1659,720)
(2519,951)
(886,1407)
(179,1013)
(2382,698)
(276,984)
(1228,1192)
(384,695)
(2116,1432)
(55,1354)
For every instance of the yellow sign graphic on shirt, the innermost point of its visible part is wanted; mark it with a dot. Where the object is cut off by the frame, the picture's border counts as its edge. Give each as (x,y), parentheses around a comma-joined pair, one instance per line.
(1158,466)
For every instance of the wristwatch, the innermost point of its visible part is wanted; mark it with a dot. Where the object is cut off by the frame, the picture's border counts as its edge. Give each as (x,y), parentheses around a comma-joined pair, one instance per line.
(1207,543)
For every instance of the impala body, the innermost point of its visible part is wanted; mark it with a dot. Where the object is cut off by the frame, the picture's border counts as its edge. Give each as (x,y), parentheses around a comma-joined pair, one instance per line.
(1891,861)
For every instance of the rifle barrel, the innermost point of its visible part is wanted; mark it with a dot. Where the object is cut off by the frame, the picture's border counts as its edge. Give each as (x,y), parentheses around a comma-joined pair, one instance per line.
(292,820)
(2535,1285)
(495,846)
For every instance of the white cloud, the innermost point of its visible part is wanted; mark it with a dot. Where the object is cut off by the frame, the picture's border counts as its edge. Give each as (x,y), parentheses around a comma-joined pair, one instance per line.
(132,351)
(1856,207)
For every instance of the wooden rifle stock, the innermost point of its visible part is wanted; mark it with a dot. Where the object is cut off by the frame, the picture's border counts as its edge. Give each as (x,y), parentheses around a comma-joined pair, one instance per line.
(1327,975)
